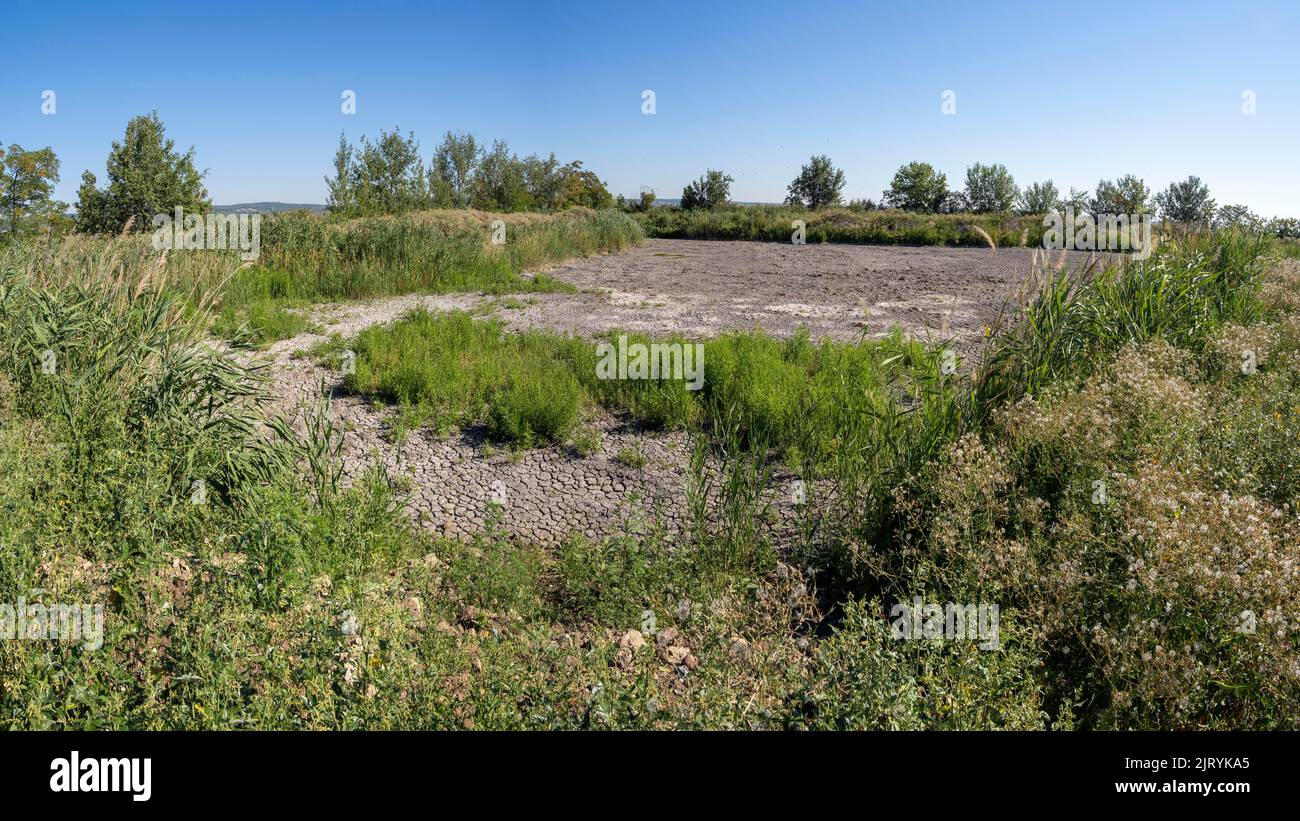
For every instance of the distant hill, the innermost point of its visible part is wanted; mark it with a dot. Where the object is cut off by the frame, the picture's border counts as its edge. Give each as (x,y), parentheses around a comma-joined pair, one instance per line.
(265,207)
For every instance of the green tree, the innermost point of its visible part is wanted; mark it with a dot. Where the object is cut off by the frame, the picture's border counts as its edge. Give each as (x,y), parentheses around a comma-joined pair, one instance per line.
(990,188)
(386,176)
(1238,216)
(500,183)
(1039,198)
(955,203)
(818,185)
(455,162)
(1076,199)
(584,188)
(917,186)
(1283,227)
(27,180)
(342,197)
(1188,201)
(92,207)
(389,175)
(546,181)
(146,176)
(1126,195)
(711,190)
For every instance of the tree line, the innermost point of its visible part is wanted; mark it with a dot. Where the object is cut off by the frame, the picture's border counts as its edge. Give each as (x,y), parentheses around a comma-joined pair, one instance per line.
(388,176)
(920,188)
(147,175)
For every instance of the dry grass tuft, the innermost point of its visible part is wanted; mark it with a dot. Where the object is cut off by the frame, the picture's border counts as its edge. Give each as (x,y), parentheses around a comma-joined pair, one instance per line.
(988,238)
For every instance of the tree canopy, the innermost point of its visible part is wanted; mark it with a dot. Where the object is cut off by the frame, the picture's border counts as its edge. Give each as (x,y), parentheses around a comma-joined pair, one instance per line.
(27,180)
(146,176)
(917,186)
(818,185)
(711,190)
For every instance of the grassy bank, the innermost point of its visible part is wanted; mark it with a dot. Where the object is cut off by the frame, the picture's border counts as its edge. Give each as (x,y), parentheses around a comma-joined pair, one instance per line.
(308,259)
(313,258)
(281,599)
(772,223)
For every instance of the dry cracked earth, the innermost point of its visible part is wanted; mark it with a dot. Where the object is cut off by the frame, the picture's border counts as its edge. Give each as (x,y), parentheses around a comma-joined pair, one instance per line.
(697,288)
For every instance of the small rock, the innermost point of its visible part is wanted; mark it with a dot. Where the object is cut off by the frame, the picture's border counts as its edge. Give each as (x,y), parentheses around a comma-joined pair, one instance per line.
(632,640)
(739,649)
(468,613)
(667,636)
(675,654)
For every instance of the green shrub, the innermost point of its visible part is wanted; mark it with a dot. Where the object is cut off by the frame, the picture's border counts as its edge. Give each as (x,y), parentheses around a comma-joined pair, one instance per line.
(657,403)
(1182,294)
(261,321)
(453,370)
(615,580)
(534,406)
(587,441)
(498,573)
(865,679)
(631,457)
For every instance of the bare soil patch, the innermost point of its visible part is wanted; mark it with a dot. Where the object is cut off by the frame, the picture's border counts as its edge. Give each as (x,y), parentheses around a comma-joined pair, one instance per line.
(702,288)
(693,287)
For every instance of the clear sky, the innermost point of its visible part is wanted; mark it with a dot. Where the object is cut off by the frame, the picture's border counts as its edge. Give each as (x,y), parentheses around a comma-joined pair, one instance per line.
(1071,92)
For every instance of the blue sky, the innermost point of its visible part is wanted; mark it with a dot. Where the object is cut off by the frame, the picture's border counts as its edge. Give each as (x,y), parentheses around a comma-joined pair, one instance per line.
(1071,92)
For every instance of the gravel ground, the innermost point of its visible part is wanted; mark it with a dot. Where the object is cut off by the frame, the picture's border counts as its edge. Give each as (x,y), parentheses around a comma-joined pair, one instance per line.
(697,288)
(702,288)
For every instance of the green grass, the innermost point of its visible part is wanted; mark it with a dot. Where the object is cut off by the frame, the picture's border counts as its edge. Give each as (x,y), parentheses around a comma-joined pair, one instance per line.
(261,321)
(314,258)
(1181,295)
(452,370)
(291,599)
(630,457)
(1287,248)
(772,223)
(307,259)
